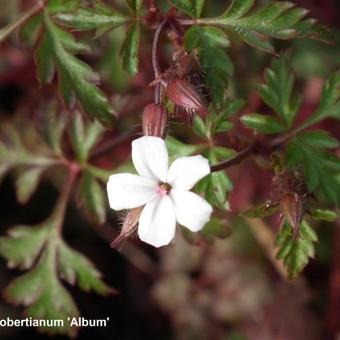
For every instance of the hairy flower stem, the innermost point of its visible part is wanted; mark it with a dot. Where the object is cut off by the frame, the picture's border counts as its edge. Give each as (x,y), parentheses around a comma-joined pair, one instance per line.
(155,63)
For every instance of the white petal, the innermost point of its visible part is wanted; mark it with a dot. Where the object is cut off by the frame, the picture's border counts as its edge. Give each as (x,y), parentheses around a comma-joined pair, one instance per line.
(192,211)
(157,222)
(185,172)
(150,157)
(127,191)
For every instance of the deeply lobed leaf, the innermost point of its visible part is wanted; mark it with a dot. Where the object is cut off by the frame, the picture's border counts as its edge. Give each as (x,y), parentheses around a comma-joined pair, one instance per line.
(76,79)
(295,253)
(281,20)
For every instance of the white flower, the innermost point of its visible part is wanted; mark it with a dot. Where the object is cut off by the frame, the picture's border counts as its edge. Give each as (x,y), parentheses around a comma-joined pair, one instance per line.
(164,191)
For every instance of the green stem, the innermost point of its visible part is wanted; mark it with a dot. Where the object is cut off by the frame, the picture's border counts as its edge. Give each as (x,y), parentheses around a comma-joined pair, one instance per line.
(23,18)
(58,213)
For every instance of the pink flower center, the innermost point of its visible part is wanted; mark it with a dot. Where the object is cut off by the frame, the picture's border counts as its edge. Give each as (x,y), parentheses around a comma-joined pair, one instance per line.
(163,189)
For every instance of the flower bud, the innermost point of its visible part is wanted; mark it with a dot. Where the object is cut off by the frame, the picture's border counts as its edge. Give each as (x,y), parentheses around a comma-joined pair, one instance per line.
(130,224)
(154,120)
(293,210)
(183,94)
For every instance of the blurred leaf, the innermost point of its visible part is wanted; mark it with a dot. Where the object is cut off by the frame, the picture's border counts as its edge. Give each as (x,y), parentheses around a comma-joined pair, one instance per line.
(320,167)
(186,6)
(198,6)
(84,135)
(30,31)
(263,210)
(215,228)
(130,49)
(28,157)
(91,198)
(75,268)
(191,7)
(228,108)
(18,22)
(324,215)
(281,20)
(27,183)
(42,250)
(56,6)
(52,127)
(216,64)
(42,293)
(23,245)
(225,126)
(178,149)
(263,123)
(277,92)
(135,6)
(101,18)
(199,126)
(76,79)
(329,102)
(295,253)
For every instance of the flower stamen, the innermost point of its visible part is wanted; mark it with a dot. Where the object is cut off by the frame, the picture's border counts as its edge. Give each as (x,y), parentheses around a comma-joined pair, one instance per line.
(163,189)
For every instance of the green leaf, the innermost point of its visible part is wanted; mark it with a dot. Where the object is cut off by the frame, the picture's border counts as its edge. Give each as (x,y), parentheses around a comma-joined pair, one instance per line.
(198,7)
(192,7)
(135,6)
(295,253)
(319,139)
(277,92)
(217,185)
(263,123)
(27,183)
(76,268)
(217,65)
(186,6)
(41,292)
(21,148)
(329,102)
(224,126)
(263,210)
(29,32)
(320,168)
(238,8)
(91,198)
(23,245)
(215,228)
(42,250)
(52,127)
(229,108)
(6,31)
(178,149)
(222,153)
(101,18)
(199,126)
(281,20)
(84,136)
(324,215)
(76,79)
(56,6)
(130,49)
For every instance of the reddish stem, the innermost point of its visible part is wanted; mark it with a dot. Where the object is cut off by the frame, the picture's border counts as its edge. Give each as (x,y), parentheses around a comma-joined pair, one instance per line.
(235,160)
(155,63)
